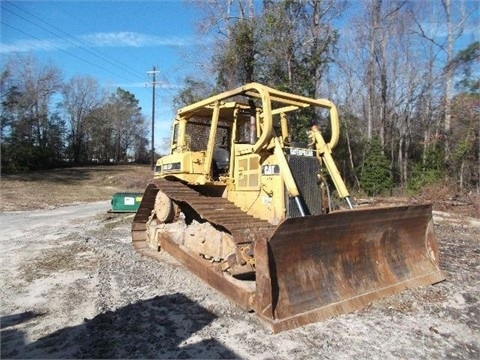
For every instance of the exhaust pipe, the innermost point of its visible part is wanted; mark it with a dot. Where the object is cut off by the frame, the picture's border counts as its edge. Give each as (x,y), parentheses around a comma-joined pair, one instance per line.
(253,122)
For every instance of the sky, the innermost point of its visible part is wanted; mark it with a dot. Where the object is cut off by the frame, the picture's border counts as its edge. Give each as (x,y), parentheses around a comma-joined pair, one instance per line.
(115,42)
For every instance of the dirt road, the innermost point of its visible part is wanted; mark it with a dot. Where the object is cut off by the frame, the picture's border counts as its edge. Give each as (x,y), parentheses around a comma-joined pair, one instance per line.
(73,287)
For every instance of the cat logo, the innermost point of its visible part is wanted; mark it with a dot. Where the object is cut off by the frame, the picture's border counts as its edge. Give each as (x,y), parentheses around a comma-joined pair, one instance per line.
(270,170)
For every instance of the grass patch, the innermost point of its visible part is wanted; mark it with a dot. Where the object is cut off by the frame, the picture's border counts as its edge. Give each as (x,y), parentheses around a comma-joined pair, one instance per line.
(59,187)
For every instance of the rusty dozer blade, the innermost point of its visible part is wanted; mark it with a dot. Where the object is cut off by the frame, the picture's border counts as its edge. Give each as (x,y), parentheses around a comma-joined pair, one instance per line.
(317,267)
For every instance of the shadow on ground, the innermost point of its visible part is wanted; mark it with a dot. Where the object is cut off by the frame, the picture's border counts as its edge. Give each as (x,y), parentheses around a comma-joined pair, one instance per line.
(161,327)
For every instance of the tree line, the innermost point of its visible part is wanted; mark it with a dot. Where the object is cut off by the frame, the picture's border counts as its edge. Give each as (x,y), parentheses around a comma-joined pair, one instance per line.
(409,104)
(47,122)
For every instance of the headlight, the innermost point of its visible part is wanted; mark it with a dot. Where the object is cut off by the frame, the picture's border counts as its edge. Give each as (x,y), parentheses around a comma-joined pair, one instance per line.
(171,167)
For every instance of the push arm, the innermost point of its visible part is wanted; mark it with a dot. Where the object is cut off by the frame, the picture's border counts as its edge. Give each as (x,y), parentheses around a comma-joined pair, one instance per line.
(326,154)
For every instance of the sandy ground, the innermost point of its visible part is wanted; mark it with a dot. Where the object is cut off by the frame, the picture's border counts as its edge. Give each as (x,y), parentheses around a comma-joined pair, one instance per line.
(73,287)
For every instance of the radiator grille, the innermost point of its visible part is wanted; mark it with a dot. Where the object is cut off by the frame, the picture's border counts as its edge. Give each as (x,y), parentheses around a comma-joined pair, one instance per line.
(304,170)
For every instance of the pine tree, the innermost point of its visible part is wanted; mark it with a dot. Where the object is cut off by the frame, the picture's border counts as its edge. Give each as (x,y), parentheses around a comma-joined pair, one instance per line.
(376,177)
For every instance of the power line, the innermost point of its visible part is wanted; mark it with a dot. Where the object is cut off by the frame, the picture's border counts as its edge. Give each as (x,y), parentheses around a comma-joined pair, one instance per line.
(32,36)
(80,20)
(100,54)
(75,44)
(65,51)
(57,47)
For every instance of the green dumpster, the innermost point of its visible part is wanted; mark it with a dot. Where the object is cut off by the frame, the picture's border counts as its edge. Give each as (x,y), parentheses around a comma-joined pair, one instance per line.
(126,202)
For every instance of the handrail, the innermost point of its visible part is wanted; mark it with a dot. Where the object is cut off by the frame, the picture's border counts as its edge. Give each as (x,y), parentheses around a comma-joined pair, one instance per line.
(267,95)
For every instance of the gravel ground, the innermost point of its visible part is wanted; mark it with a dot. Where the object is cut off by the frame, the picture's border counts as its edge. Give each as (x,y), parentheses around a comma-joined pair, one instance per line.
(73,287)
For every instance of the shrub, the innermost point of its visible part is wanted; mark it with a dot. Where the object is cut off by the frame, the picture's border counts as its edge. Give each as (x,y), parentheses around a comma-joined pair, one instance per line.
(376,177)
(426,173)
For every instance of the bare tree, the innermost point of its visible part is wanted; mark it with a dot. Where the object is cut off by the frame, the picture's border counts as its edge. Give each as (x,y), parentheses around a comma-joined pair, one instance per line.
(389,78)
(465,139)
(122,128)
(81,95)
(453,16)
(30,88)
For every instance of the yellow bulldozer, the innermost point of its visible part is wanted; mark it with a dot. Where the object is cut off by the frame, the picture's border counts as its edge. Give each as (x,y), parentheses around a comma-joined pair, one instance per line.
(260,222)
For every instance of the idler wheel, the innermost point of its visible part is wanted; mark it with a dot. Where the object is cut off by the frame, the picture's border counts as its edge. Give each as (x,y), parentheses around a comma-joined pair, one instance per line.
(164,208)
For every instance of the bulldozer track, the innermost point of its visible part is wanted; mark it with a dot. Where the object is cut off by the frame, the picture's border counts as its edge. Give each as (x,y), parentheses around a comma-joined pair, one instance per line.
(218,211)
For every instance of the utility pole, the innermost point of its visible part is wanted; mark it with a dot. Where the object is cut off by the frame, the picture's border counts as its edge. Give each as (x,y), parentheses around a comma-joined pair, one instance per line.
(153,73)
